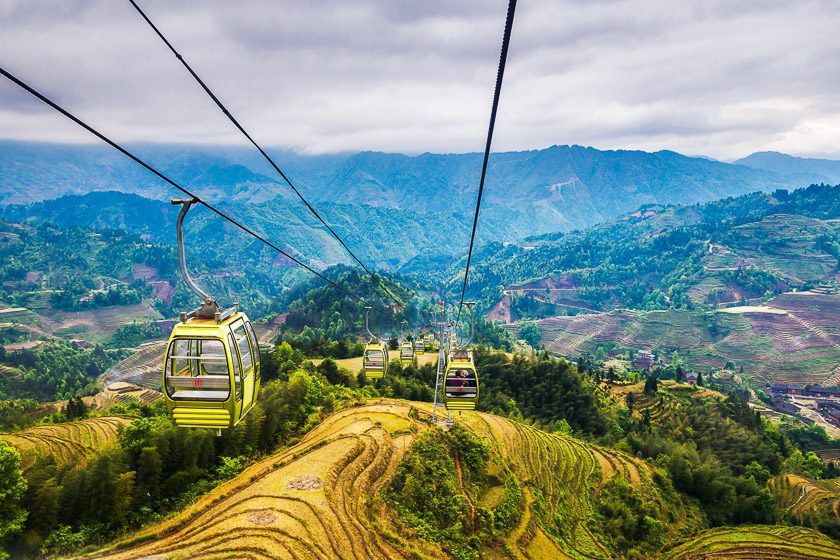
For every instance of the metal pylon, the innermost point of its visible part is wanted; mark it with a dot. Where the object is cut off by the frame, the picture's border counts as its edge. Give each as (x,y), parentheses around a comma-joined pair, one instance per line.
(441,371)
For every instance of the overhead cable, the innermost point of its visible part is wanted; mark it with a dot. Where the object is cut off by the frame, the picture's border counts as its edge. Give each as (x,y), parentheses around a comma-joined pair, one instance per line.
(160,175)
(259,148)
(499,76)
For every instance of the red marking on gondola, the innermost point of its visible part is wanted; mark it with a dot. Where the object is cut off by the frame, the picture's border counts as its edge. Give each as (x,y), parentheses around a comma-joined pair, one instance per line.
(196,383)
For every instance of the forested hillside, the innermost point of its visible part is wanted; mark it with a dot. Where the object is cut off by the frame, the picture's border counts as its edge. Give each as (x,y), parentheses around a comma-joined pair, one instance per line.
(664,257)
(387,237)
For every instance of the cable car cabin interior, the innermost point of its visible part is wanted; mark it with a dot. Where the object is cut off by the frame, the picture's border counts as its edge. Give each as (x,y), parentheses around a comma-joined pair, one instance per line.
(375,363)
(419,346)
(211,372)
(406,352)
(460,385)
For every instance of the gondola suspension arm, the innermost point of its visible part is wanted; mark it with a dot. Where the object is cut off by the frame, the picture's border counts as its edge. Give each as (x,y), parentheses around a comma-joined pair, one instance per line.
(210,308)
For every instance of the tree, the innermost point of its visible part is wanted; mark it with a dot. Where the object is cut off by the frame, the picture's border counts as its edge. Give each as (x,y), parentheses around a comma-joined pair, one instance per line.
(149,472)
(813,465)
(12,488)
(651,384)
(630,399)
(757,472)
(795,464)
(699,379)
(75,408)
(530,333)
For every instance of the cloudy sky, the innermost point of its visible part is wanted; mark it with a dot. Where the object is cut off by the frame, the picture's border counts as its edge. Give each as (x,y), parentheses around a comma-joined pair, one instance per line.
(717,78)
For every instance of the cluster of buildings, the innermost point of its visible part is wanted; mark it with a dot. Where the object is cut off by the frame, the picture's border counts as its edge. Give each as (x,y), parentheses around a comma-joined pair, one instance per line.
(644,360)
(826,399)
(780,391)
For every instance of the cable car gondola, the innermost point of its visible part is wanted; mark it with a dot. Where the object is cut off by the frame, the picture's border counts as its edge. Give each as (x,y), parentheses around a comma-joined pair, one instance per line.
(375,360)
(419,346)
(211,371)
(407,352)
(460,384)
(460,390)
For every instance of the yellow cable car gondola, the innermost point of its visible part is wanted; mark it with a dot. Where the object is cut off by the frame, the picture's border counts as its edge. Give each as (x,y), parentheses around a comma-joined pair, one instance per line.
(419,346)
(460,382)
(407,352)
(460,390)
(211,375)
(211,371)
(375,360)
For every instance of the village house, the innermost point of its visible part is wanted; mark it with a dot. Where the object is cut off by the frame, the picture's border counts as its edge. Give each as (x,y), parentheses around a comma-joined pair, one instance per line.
(831,411)
(643,360)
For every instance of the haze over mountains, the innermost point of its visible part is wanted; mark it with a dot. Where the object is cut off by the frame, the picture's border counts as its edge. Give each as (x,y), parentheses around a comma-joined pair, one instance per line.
(392,207)
(566,186)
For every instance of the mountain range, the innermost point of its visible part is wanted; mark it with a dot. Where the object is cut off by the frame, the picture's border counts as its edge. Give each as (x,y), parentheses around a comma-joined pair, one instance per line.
(560,188)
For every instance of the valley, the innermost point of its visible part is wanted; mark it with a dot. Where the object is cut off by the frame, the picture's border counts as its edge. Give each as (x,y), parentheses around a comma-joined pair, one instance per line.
(569,451)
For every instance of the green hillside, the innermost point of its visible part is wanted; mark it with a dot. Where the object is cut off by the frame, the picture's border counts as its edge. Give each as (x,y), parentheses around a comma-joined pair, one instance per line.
(671,257)
(791,339)
(564,468)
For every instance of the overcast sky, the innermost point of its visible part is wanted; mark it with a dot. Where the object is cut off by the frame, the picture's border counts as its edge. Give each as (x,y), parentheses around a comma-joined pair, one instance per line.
(718,78)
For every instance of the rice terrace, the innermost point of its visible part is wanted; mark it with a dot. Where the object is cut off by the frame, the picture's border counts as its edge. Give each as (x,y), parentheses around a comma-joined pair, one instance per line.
(352,457)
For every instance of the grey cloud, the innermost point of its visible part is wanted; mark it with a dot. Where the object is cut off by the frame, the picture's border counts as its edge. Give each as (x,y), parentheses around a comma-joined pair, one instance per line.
(717,77)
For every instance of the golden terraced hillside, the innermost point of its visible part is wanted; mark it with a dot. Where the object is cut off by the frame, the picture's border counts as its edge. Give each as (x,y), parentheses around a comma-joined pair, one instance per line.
(323,497)
(69,442)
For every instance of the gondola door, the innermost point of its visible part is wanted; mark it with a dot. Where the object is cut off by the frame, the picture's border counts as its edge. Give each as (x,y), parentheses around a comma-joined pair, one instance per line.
(248,361)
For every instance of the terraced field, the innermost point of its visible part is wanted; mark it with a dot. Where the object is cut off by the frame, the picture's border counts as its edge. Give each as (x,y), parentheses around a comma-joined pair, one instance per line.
(355,364)
(321,499)
(756,543)
(119,392)
(141,368)
(71,442)
(804,499)
(794,338)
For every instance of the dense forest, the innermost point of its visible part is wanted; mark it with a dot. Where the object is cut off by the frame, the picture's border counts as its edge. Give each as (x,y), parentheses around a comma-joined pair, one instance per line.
(54,371)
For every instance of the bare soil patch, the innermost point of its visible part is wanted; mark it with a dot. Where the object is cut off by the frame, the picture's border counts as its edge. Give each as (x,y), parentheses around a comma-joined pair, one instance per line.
(262,517)
(307,482)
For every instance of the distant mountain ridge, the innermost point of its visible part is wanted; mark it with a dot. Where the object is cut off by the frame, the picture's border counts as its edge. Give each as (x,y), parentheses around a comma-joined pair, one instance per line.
(561,188)
(810,170)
